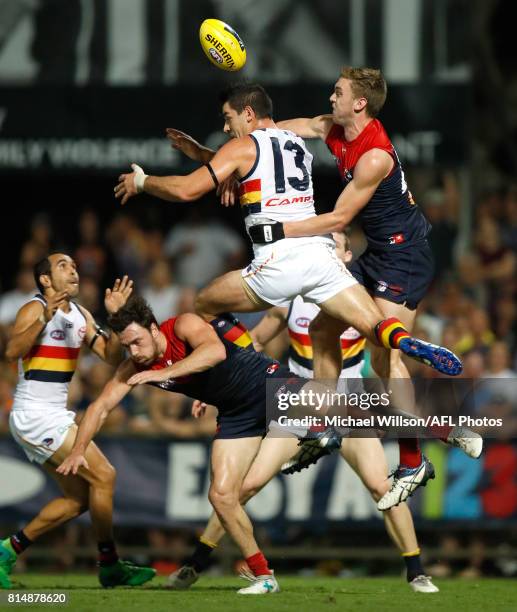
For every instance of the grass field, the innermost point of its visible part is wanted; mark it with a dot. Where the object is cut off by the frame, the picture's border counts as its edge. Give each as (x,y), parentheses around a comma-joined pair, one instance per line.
(298,594)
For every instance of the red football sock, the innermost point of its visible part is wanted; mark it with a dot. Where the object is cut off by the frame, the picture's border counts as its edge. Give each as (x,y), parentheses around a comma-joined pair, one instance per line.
(258,564)
(410,453)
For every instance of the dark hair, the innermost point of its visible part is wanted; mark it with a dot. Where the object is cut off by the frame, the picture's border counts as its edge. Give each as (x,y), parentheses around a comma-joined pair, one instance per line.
(136,310)
(42,267)
(240,95)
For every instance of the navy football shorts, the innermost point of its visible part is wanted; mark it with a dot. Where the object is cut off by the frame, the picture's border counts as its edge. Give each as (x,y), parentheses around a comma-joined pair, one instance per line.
(252,420)
(401,274)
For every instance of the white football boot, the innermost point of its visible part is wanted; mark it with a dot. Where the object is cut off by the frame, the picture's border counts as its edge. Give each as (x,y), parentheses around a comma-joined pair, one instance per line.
(423,584)
(260,585)
(406,481)
(470,442)
(182,579)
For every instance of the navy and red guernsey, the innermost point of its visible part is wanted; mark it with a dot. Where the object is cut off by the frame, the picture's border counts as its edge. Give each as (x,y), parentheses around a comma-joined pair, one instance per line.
(235,385)
(391,217)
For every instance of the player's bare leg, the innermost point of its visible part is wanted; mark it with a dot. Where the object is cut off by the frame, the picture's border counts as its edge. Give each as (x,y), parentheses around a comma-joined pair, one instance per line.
(100,478)
(366,457)
(227,293)
(273,452)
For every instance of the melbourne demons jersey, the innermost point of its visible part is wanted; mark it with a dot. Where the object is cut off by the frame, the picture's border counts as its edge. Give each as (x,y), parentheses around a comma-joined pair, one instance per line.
(45,372)
(279,186)
(300,348)
(391,217)
(233,385)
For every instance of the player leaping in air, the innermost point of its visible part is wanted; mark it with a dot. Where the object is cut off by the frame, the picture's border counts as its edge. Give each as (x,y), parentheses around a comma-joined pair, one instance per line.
(273,164)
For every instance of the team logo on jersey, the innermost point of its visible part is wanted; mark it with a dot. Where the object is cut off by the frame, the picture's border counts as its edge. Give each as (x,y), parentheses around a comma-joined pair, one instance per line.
(57,334)
(397,239)
(81,332)
(47,441)
(272,368)
(303,322)
(382,286)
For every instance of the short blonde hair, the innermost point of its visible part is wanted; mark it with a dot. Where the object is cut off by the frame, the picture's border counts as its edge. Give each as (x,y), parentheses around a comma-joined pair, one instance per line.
(367,83)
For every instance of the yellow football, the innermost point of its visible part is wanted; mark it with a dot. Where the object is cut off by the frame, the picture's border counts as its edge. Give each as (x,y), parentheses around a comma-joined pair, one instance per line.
(222,45)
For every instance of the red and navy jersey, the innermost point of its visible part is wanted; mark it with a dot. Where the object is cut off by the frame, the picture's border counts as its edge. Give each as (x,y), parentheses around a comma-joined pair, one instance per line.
(391,217)
(233,385)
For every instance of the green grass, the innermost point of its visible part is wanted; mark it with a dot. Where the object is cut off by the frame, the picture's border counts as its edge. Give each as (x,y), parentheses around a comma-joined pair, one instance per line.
(298,594)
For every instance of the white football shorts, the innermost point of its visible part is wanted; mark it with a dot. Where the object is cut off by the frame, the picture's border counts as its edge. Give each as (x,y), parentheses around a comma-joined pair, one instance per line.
(40,433)
(295,266)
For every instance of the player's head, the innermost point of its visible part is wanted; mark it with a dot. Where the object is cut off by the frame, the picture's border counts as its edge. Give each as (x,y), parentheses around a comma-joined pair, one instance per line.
(137,329)
(343,250)
(57,272)
(358,90)
(243,106)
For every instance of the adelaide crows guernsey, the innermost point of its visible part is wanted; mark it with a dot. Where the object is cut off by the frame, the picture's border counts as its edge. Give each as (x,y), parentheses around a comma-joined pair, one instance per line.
(45,372)
(299,318)
(279,185)
(391,218)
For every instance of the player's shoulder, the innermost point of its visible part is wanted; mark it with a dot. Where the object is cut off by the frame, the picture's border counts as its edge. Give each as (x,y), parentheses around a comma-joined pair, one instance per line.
(34,306)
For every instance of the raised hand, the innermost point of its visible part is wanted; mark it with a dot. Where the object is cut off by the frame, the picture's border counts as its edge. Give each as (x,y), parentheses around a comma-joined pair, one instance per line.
(130,184)
(186,144)
(116,298)
(229,191)
(53,303)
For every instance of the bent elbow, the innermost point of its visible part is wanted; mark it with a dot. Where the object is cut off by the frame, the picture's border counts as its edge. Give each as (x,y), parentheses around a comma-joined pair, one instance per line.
(219,353)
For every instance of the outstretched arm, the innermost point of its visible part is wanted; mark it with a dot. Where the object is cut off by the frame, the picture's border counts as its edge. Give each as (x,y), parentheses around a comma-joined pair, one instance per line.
(370,170)
(114,391)
(315,127)
(237,155)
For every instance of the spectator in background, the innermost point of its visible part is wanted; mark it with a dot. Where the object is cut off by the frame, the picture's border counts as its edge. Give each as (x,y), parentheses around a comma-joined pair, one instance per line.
(38,245)
(90,298)
(499,362)
(441,206)
(128,245)
(202,248)
(497,262)
(509,228)
(90,255)
(165,298)
(12,301)
(477,335)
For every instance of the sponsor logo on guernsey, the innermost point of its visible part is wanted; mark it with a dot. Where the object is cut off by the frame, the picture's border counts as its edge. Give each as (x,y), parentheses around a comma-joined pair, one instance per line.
(303,322)
(57,334)
(286,201)
(48,441)
(81,332)
(272,368)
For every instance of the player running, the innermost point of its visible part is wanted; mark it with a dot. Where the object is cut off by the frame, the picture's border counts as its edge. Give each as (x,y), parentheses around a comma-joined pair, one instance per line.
(48,334)
(274,168)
